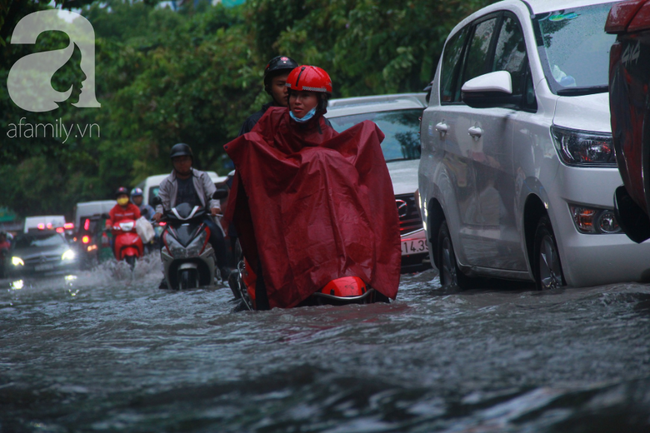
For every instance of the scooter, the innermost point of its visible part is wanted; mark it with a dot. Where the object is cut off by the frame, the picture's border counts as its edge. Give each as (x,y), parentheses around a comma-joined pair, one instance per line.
(187,255)
(340,291)
(128,245)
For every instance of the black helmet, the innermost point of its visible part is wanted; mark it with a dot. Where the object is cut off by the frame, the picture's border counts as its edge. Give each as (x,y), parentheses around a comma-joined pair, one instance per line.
(181,149)
(276,66)
(121,190)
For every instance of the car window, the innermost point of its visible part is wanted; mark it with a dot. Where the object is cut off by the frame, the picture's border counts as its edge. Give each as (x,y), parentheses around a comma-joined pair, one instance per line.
(478,50)
(575,49)
(401,127)
(510,52)
(40,240)
(153,192)
(451,63)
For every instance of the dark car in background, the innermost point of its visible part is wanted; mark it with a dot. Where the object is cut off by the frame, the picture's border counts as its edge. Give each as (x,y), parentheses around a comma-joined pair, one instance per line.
(40,252)
(398,116)
(629,76)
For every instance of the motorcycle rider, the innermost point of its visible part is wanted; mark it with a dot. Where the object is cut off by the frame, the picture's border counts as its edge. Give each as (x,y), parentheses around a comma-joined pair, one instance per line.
(145,209)
(303,217)
(189,185)
(124,209)
(275,78)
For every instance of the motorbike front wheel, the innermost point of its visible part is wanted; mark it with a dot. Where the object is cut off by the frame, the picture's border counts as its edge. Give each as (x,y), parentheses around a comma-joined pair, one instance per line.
(131,261)
(187,279)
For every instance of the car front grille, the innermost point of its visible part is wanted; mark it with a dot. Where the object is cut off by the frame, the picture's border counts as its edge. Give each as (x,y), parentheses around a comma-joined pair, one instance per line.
(409,216)
(41,260)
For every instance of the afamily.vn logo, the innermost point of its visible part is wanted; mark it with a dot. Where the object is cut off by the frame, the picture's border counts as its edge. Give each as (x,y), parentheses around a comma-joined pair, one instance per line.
(29,80)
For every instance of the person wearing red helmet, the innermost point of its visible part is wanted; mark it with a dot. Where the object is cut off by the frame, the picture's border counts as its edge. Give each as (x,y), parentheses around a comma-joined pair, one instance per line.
(124,209)
(275,78)
(310,204)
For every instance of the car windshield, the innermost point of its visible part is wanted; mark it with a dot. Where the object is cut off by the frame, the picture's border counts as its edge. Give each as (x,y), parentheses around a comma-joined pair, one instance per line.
(39,240)
(401,128)
(575,49)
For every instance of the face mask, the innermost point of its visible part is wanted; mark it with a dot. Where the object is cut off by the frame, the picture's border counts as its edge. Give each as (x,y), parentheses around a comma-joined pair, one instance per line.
(122,201)
(307,116)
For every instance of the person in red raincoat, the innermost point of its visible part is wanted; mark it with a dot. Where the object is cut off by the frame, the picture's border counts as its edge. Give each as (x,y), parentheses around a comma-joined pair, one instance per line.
(124,209)
(311,205)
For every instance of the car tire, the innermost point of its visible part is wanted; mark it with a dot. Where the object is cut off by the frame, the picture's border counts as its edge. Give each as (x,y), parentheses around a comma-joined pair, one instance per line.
(547,266)
(450,274)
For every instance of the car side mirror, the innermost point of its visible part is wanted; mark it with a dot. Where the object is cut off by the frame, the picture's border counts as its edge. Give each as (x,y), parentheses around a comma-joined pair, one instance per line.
(156,201)
(490,90)
(220,194)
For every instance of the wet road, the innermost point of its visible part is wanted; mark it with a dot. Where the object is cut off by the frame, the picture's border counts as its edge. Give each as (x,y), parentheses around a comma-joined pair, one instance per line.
(109,352)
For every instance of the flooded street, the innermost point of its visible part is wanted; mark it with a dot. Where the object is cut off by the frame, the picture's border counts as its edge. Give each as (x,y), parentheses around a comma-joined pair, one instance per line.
(107,351)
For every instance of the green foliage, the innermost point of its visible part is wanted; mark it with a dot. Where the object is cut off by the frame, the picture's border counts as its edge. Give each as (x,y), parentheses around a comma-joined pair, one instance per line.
(193,76)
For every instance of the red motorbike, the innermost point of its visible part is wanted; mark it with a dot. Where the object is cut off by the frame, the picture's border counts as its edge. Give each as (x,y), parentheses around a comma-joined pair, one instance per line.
(340,291)
(127,244)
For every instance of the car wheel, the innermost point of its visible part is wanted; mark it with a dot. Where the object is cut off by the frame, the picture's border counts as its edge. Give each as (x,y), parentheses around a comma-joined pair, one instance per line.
(548,269)
(450,274)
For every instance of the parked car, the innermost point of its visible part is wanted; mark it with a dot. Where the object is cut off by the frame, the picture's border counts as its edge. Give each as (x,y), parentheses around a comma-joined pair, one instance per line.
(40,252)
(517,171)
(398,116)
(629,75)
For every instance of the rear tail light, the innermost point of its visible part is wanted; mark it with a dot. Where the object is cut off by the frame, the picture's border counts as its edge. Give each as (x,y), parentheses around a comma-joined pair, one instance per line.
(60,230)
(41,226)
(85,239)
(68,226)
(87,224)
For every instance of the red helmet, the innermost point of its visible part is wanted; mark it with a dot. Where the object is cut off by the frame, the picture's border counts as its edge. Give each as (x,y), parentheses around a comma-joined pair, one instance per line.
(310,78)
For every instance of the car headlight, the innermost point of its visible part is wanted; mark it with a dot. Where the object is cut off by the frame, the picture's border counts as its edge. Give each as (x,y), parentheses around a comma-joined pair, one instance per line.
(594,220)
(68,255)
(17,261)
(584,148)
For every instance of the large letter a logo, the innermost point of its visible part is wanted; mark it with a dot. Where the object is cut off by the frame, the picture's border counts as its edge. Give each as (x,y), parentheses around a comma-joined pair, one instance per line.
(29,80)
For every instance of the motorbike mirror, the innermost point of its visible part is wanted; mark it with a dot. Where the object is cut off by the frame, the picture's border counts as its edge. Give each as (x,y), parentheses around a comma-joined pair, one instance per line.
(156,201)
(219,194)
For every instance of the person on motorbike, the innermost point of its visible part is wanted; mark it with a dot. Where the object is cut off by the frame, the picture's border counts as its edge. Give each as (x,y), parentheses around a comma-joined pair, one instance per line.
(311,205)
(275,78)
(145,209)
(4,252)
(124,209)
(189,185)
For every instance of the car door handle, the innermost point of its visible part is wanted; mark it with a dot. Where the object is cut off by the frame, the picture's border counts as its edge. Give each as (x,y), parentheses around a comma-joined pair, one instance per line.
(475,131)
(442,127)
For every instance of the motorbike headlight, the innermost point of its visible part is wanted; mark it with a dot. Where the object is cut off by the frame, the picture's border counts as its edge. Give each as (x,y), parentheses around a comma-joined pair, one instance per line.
(584,148)
(17,261)
(127,226)
(68,255)
(175,248)
(195,247)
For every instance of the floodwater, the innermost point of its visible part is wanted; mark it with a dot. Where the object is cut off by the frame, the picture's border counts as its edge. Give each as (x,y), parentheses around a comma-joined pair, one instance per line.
(107,351)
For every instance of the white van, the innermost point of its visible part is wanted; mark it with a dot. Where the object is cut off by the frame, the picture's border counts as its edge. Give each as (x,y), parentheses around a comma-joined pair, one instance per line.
(92,209)
(150,185)
(44,222)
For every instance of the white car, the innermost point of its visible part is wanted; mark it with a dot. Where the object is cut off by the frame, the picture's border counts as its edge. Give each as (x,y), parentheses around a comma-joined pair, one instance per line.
(398,116)
(517,174)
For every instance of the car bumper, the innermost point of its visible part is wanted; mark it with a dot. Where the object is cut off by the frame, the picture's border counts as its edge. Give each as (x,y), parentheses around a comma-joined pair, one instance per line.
(32,270)
(593,259)
(415,252)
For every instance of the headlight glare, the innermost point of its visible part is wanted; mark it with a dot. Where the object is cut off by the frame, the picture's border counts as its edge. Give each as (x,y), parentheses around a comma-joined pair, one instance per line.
(584,148)
(68,255)
(17,261)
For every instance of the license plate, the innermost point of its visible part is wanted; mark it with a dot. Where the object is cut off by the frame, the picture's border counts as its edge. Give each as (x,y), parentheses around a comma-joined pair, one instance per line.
(43,267)
(414,246)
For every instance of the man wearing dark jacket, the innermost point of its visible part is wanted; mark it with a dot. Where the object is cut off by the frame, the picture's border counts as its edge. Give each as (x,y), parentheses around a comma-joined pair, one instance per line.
(275,78)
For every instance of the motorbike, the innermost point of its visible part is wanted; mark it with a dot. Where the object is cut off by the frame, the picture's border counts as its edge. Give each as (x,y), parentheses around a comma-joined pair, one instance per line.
(128,245)
(188,257)
(340,291)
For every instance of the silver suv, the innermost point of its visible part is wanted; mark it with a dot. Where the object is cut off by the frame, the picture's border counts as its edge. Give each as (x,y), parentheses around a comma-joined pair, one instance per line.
(398,116)
(518,172)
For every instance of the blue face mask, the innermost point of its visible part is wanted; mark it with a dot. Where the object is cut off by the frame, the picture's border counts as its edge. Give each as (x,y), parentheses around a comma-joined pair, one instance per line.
(305,118)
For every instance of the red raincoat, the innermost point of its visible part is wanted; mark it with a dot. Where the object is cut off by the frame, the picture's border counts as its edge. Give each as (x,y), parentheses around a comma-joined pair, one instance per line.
(314,205)
(118,213)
